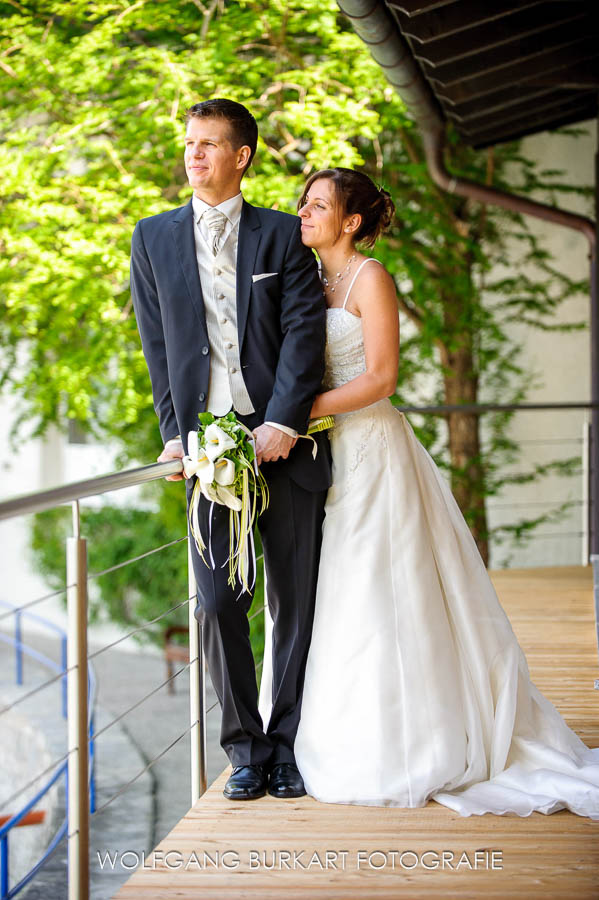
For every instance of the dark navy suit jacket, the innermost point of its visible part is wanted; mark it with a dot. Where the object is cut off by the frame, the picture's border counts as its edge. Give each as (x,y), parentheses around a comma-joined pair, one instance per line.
(281,324)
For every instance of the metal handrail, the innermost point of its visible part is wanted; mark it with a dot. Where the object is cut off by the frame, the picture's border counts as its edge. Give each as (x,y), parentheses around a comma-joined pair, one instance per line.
(68,493)
(78,683)
(90,487)
(446,408)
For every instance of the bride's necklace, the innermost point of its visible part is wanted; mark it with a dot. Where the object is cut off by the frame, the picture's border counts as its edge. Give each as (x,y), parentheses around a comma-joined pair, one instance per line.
(339,275)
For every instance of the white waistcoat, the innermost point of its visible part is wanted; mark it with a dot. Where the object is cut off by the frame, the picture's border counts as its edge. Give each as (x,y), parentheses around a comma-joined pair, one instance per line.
(218,279)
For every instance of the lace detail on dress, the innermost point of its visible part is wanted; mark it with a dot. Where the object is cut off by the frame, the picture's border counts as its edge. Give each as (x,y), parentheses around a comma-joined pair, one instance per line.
(344,353)
(345,360)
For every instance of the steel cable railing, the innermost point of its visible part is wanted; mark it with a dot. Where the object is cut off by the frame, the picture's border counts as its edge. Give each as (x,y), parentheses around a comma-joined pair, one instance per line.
(550,441)
(148,766)
(89,487)
(529,503)
(8,800)
(61,669)
(135,559)
(62,590)
(140,628)
(75,587)
(214,705)
(25,606)
(77,825)
(63,672)
(33,692)
(143,699)
(61,762)
(60,833)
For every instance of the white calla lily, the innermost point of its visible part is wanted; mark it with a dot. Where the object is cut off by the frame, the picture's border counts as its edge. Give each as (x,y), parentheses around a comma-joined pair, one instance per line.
(197,462)
(190,461)
(205,469)
(220,494)
(234,481)
(224,471)
(209,492)
(193,444)
(228,498)
(217,441)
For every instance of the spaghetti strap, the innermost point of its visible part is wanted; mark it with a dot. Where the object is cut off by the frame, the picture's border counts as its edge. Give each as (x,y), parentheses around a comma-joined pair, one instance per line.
(356,273)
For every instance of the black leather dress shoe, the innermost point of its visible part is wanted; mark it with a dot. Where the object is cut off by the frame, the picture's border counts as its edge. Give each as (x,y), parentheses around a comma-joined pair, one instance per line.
(286,781)
(246,783)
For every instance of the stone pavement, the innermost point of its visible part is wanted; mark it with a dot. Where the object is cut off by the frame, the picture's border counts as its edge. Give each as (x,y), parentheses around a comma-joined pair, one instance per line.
(148,809)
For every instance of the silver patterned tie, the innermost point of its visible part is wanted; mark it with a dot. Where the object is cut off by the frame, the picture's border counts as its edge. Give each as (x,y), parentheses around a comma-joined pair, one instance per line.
(216,221)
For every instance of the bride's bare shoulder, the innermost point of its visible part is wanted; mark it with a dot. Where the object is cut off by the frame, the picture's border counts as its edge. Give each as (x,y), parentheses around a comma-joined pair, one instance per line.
(376,272)
(376,286)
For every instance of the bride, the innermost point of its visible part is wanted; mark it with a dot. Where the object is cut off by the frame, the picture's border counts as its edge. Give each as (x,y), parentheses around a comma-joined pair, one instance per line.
(416,687)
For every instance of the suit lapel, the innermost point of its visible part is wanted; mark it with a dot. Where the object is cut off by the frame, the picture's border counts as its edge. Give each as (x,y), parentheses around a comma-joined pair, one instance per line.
(183,234)
(250,231)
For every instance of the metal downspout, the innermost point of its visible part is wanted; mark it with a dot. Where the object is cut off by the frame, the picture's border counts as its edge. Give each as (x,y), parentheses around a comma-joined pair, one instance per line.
(375,25)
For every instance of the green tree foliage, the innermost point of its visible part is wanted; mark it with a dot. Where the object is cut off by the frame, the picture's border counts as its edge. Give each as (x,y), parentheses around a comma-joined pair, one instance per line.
(92,141)
(91,129)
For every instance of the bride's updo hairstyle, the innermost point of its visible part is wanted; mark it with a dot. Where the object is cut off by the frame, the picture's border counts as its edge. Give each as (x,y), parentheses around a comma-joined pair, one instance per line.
(357,194)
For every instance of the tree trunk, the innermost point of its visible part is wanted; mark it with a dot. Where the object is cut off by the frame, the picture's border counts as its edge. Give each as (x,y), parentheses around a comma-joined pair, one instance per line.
(461,386)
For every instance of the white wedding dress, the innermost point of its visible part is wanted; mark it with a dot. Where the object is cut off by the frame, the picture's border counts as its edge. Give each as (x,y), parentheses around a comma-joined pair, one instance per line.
(416,687)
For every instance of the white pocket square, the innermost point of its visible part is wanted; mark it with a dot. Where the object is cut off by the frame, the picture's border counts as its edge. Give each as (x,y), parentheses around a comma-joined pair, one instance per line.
(256,278)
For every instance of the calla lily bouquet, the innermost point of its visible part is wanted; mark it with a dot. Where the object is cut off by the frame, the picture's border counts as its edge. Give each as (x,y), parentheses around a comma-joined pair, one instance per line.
(222,455)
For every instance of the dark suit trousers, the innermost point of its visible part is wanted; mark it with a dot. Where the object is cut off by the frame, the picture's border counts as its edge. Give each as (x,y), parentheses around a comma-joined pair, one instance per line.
(291,531)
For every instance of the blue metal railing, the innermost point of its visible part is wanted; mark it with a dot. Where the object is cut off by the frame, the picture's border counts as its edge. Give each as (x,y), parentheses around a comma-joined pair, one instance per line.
(21,650)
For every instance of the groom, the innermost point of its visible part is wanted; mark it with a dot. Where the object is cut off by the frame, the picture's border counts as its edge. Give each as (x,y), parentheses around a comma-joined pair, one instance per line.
(232,316)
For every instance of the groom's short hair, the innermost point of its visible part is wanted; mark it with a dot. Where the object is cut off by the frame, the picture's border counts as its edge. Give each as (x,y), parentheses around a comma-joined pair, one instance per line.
(243,130)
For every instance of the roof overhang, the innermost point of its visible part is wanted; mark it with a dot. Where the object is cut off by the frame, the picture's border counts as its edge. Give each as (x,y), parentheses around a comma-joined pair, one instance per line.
(501,69)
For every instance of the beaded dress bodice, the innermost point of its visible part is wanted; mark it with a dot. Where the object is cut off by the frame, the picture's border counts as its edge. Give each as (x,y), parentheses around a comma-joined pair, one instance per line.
(344,353)
(345,359)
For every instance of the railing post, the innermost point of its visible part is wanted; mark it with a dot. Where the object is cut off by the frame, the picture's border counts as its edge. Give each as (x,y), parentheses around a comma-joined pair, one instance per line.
(594,452)
(595,564)
(77,689)
(197,690)
(586,491)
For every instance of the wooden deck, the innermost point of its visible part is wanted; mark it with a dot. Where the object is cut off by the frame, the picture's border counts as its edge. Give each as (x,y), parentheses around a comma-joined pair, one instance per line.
(419,853)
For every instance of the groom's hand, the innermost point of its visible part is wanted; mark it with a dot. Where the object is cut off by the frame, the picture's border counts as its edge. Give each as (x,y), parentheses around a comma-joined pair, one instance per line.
(272,443)
(173,450)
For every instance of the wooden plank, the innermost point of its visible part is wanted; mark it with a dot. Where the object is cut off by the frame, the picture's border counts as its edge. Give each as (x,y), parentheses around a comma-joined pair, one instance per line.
(228,850)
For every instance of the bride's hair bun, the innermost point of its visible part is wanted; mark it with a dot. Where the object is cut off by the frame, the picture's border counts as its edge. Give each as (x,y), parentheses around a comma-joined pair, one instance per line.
(387,207)
(357,194)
